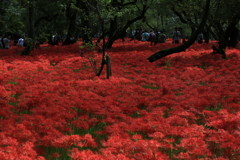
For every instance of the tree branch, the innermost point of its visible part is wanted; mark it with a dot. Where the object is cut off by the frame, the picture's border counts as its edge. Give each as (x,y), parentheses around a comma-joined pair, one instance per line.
(144,10)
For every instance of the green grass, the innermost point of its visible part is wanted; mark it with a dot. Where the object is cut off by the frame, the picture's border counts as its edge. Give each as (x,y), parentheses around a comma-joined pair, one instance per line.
(76,70)
(150,87)
(217,107)
(179,94)
(12,82)
(143,134)
(86,66)
(21,112)
(136,115)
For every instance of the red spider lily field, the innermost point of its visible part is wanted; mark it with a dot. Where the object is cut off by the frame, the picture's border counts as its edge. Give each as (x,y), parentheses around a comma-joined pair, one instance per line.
(183,106)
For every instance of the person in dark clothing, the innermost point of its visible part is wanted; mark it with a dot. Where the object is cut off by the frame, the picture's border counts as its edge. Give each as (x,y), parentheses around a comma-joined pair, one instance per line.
(176,36)
(200,38)
(3,46)
(6,42)
(152,37)
(162,37)
(233,39)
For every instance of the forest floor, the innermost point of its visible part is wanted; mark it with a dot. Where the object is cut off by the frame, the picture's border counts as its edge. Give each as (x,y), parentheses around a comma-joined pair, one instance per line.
(183,106)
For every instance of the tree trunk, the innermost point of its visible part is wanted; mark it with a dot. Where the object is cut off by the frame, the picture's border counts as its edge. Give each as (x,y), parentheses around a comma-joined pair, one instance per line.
(224,38)
(72,16)
(111,40)
(71,32)
(117,32)
(31,22)
(222,48)
(183,47)
(31,36)
(206,35)
(233,37)
(86,33)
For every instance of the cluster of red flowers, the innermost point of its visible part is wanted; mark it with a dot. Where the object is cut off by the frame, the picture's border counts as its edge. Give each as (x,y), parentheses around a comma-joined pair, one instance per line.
(184,106)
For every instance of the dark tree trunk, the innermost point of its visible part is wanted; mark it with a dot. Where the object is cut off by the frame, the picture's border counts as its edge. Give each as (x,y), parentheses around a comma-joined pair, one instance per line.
(233,38)
(71,32)
(184,20)
(222,48)
(31,36)
(183,47)
(31,22)
(103,49)
(117,32)
(224,38)
(85,32)
(101,37)
(72,16)
(206,35)
(111,40)
(193,29)
(113,35)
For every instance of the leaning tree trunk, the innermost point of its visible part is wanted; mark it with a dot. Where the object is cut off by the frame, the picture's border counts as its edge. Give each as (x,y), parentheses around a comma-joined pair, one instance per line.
(183,47)
(111,40)
(114,36)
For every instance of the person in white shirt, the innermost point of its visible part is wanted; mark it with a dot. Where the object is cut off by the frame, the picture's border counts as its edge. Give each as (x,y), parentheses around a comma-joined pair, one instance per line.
(20,42)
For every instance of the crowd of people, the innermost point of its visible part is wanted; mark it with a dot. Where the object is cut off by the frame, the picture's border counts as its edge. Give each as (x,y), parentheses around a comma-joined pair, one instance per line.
(5,42)
(155,37)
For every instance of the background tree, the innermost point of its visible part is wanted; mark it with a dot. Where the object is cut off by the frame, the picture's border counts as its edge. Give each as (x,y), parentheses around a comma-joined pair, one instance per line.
(187,44)
(224,18)
(120,15)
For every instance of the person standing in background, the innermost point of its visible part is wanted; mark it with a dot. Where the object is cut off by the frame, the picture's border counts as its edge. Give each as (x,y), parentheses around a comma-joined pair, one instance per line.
(152,37)
(1,45)
(176,36)
(145,35)
(162,37)
(6,42)
(200,38)
(20,42)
